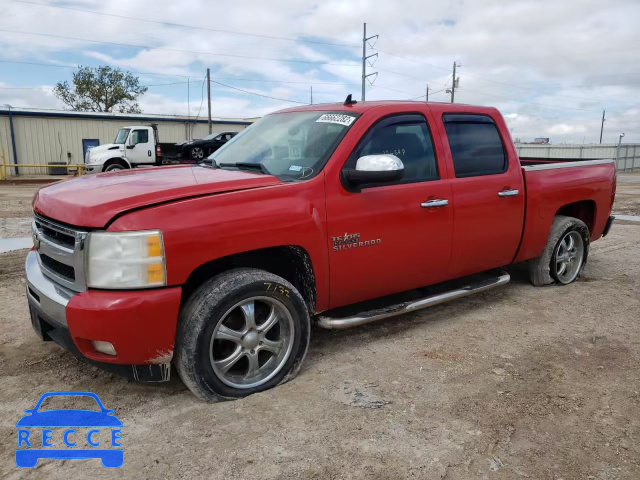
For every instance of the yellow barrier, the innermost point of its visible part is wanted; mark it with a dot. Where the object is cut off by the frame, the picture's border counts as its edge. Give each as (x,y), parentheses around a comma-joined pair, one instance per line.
(79,168)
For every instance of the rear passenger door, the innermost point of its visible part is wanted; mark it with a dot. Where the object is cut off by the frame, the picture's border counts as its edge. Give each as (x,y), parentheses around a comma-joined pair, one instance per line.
(488,194)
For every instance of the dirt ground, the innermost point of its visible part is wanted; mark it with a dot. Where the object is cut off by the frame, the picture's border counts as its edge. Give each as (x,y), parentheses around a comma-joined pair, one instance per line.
(518,382)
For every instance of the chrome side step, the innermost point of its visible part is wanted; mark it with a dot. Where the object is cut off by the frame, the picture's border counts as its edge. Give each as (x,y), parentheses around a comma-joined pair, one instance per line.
(406,307)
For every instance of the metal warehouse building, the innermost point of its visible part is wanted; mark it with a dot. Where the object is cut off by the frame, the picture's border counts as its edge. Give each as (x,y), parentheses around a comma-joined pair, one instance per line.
(43,137)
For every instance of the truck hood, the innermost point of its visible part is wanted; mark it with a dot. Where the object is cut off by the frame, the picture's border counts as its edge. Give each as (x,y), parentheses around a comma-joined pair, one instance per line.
(91,201)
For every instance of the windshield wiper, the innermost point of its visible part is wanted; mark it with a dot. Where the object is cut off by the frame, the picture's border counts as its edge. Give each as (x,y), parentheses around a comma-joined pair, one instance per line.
(247,166)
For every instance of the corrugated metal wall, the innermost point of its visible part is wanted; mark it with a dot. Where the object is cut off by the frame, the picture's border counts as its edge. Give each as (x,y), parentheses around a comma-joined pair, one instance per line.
(42,139)
(628,158)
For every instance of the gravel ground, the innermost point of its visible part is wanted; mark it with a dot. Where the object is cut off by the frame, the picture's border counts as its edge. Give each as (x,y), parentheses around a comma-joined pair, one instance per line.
(518,382)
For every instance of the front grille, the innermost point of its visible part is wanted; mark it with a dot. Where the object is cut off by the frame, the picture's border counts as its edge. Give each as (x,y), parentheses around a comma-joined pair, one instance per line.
(56,236)
(60,268)
(61,252)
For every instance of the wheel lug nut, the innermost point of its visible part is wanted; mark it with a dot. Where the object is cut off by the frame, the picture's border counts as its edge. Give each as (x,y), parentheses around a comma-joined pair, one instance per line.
(252,352)
(259,343)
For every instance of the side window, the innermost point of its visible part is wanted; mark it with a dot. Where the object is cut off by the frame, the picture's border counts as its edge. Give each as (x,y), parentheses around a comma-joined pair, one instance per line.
(140,136)
(476,146)
(408,138)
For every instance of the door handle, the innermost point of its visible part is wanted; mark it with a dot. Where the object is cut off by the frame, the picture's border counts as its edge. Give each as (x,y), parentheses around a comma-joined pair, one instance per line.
(508,193)
(438,202)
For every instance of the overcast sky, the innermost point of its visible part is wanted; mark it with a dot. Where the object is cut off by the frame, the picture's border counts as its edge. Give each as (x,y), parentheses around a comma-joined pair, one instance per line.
(549,66)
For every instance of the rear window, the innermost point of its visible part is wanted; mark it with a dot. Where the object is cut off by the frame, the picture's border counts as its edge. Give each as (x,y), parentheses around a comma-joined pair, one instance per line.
(476,146)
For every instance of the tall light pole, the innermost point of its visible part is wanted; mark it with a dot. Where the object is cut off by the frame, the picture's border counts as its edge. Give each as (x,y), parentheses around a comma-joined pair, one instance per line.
(365,39)
(602,126)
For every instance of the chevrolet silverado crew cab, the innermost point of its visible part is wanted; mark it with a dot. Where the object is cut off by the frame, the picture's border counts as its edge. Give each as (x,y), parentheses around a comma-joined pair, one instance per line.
(338,214)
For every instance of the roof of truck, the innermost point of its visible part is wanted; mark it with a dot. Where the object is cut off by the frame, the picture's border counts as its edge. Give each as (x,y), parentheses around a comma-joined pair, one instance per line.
(361,107)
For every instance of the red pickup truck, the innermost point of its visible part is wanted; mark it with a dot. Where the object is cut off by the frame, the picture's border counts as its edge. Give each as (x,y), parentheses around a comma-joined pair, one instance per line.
(341,214)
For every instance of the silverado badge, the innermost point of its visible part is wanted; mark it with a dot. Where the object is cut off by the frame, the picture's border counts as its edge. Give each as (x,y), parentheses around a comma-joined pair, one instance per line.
(352,240)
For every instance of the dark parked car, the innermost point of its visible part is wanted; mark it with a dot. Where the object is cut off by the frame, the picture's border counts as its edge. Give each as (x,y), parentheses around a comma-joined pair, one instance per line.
(202,148)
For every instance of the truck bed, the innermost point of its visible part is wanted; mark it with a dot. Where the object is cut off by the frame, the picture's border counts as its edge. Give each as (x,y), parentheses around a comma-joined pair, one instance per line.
(559,188)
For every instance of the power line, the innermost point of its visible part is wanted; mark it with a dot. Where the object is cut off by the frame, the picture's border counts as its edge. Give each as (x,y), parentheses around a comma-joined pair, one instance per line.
(192,27)
(40,64)
(391,89)
(193,52)
(265,80)
(258,94)
(531,103)
(164,84)
(430,93)
(24,88)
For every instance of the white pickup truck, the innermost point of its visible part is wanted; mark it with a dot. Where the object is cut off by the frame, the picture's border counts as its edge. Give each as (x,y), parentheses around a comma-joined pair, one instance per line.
(133,146)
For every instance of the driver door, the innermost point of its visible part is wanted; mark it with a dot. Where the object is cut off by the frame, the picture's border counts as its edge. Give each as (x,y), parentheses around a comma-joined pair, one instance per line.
(389,238)
(140,147)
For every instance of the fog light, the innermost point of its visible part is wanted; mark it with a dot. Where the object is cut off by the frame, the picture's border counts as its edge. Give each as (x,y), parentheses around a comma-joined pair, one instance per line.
(104,347)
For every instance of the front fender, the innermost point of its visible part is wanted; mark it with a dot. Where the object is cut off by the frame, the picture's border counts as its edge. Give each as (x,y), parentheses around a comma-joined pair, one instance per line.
(199,230)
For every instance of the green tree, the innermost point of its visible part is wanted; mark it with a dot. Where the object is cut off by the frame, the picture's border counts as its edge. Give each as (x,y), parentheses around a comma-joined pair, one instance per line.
(101,89)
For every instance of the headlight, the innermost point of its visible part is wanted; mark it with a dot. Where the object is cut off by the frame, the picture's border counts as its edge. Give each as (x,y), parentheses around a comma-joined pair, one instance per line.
(118,260)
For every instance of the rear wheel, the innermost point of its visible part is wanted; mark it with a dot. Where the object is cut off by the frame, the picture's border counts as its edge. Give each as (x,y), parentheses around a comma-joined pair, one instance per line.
(565,254)
(242,332)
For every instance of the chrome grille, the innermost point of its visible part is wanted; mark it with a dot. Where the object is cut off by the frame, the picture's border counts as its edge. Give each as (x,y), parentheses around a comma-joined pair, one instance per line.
(60,252)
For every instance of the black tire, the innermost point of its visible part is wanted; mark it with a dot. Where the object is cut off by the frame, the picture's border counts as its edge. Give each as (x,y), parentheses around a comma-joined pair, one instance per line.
(541,269)
(113,167)
(197,153)
(209,305)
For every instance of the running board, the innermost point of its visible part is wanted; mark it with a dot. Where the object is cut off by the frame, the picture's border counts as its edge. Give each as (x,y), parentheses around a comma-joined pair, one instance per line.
(406,307)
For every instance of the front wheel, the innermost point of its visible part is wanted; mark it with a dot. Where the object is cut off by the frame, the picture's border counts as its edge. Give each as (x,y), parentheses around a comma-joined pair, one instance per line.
(197,153)
(114,167)
(242,332)
(565,254)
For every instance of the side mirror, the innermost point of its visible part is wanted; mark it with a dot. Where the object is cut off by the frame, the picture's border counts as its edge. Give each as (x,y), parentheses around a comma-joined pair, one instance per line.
(130,141)
(381,168)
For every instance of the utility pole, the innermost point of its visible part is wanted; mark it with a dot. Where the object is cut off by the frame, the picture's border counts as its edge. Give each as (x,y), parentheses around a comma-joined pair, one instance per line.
(365,39)
(188,109)
(618,152)
(602,126)
(427,94)
(311,94)
(209,97)
(454,82)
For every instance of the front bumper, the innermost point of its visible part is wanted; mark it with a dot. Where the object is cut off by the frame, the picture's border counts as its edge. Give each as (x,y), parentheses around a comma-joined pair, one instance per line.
(141,325)
(92,168)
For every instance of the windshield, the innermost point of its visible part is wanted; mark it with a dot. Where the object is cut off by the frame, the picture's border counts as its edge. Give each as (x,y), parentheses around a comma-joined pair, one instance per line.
(288,145)
(211,136)
(122,136)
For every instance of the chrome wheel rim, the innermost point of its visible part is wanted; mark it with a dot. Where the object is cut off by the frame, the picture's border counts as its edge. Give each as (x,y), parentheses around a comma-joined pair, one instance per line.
(568,258)
(111,168)
(197,153)
(251,342)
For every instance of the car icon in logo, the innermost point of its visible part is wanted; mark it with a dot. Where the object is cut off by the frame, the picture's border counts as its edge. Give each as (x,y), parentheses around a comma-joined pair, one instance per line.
(29,452)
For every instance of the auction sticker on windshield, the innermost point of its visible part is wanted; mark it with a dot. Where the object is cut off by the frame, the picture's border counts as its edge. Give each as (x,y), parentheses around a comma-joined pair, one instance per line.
(338,118)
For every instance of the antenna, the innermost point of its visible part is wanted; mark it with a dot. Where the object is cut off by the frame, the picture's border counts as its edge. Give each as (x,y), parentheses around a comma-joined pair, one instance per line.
(349,100)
